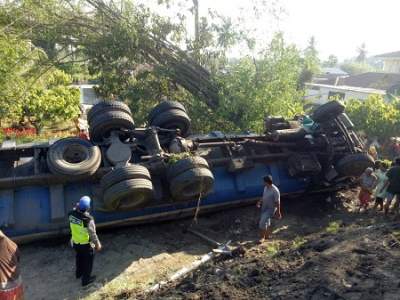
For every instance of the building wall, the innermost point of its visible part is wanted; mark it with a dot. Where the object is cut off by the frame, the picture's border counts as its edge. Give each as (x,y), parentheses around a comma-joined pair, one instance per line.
(391,65)
(323,95)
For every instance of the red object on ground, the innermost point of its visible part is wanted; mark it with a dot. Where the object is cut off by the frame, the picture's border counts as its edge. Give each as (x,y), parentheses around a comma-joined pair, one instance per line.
(365,197)
(16,293)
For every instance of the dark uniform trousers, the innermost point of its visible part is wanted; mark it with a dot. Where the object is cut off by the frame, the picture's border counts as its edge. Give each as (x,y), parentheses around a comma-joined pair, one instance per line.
(84,261)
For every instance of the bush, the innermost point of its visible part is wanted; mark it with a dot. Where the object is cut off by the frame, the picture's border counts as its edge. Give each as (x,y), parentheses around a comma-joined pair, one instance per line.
(375,117)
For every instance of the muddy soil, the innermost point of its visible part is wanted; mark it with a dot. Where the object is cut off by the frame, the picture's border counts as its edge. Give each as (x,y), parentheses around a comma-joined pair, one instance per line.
(321,249)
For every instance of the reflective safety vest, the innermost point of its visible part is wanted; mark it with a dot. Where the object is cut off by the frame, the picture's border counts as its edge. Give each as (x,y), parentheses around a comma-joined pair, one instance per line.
(78,223)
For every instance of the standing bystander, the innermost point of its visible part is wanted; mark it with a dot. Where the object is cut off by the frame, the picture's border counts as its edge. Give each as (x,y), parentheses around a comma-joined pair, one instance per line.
(380,191)
(367,185)
(270,205)
(393,186)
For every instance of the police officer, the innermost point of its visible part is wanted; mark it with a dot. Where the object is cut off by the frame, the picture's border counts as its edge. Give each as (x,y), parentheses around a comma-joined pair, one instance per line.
(84,239)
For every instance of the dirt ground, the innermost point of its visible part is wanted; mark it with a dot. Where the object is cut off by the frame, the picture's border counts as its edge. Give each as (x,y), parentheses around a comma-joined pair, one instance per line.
(320,250)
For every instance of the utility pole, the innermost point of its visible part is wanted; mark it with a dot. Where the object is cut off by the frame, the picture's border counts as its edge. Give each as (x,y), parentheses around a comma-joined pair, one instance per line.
(196,29)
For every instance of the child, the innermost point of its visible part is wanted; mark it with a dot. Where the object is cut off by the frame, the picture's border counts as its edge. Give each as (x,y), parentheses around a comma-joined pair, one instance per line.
(367,182)
(380,191)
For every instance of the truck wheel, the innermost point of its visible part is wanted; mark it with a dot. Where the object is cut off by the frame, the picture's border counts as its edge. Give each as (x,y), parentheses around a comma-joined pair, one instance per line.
(327,111)
(354,164)
(192,184)
(124,173)
(164,106)
(73,157)
(101,125)
(128,194)
(173,119)
(185,164)
(104,106)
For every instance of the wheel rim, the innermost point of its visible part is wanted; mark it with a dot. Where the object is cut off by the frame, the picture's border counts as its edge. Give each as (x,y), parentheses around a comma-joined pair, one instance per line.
(75,154)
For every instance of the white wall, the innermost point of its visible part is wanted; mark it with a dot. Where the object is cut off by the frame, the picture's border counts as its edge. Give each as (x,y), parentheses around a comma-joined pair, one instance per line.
(321,96)
(391,65)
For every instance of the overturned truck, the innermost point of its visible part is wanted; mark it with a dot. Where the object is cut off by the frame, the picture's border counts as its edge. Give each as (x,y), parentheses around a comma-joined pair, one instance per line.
(158,172)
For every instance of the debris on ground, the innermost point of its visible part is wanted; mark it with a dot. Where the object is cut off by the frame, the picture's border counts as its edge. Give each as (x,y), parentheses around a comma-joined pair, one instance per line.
(320,250)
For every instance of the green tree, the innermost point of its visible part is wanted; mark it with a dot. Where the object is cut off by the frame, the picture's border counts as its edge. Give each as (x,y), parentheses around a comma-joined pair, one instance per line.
(374,116)
(311,63)
(331,62)
(253,88)
(51,100)
(17,66)
(354,68)
(362,54)
(128,49)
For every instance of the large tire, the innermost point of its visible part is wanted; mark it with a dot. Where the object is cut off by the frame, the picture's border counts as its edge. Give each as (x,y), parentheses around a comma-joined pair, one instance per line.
(164,106)
(73,157)
(128,194)
(173,119)
(192,184)
(104,106)
(354,164)
(102,125)
(186,164)
(327,111)
(124,173)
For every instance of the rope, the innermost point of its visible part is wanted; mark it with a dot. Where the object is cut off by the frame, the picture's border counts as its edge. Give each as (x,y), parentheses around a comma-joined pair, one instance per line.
(196,213)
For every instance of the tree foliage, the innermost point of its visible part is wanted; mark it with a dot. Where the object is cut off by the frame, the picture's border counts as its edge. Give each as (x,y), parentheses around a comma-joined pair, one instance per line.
(51,100)
(375,117)
(331,62)
(311,63)
(17,65)
(256,87)
(362,54)
(132,53)
(24,95)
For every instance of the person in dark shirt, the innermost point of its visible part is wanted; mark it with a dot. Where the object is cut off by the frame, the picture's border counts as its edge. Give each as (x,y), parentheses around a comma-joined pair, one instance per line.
(393,186)
(84,240)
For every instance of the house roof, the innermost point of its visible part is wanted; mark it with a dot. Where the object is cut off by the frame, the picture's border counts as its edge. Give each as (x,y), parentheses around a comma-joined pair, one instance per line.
(395,54)
(347,88)
(333,71)
(380,81)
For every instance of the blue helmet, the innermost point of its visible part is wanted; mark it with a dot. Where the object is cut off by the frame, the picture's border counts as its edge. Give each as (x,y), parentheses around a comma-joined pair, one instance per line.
(84,203)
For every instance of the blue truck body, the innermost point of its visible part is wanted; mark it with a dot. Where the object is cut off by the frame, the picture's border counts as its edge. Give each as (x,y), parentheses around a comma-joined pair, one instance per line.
(41,183)
(31,211)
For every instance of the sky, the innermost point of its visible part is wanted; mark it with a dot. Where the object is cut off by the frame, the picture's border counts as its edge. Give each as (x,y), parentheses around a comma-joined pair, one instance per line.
(339,26)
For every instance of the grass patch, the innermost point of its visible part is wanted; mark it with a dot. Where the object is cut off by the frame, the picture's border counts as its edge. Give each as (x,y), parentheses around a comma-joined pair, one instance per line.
(272,248)
(333,227)
(298,242)
(174,157)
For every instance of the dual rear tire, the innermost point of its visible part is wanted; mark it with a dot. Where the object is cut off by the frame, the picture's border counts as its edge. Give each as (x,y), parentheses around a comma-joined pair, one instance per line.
(127,188)
(170,115)
(189,179)
(108,116)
